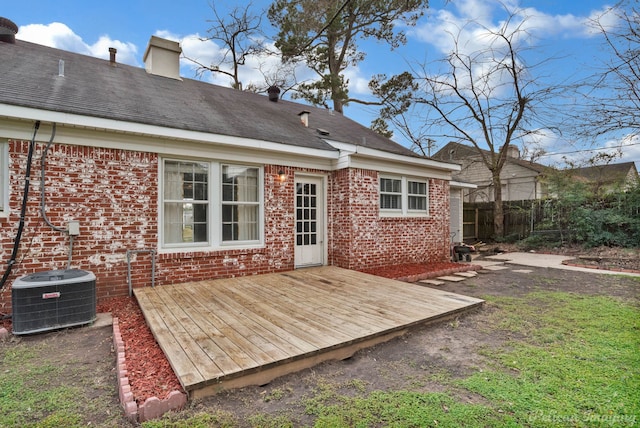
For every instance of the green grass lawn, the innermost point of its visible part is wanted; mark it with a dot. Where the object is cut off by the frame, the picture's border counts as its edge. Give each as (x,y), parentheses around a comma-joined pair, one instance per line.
(571,360)
(26,395)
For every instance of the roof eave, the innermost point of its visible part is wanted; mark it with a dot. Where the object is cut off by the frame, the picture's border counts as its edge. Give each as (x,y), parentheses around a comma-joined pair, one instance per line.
(355,150)
(132,128)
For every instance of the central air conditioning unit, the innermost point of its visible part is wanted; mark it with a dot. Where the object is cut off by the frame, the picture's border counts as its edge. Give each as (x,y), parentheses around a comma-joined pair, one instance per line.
(52,300)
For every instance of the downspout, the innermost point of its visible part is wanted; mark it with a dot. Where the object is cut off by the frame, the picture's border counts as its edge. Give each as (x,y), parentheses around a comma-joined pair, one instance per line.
(23,210)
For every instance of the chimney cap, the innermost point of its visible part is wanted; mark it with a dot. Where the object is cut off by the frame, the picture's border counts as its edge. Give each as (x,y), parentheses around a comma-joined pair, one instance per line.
(274,93)
(112,55)
(159,42)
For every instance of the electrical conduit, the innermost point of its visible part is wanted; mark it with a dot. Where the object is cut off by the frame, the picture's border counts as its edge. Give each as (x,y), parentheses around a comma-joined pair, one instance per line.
(23,209)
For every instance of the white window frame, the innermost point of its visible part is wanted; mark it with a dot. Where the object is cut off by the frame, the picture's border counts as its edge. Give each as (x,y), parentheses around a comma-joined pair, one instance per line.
(214,218)
(387,193)
(4,179)
(424,196)
(240,203)
(404,210)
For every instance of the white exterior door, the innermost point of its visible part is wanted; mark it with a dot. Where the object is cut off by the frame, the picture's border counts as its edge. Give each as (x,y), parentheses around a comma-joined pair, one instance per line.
(309,225)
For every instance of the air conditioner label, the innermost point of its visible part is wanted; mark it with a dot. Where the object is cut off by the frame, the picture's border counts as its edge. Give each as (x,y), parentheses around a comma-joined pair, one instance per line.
(54,295)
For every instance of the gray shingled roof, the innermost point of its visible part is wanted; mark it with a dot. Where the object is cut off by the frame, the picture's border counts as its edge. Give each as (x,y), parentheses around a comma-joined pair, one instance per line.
(610,173)
(92,87)
(453,151)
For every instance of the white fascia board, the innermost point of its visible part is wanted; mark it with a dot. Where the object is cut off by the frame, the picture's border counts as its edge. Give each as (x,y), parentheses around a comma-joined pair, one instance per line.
(462,185)
(109,133)
(354,156)
(362,151)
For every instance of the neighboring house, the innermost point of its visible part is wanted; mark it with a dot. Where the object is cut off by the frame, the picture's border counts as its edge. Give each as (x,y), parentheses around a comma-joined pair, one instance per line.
(217,182)
(608,178)
(521,180)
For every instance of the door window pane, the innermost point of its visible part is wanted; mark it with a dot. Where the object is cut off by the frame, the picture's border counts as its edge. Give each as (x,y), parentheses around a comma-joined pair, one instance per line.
(306,214)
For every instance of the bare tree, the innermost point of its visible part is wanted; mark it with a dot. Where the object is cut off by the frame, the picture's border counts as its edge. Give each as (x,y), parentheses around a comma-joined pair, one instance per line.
(240,35)
(490,98)
(614,93)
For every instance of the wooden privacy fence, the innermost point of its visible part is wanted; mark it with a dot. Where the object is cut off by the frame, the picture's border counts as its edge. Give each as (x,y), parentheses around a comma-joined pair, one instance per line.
(520,217)
(599,218)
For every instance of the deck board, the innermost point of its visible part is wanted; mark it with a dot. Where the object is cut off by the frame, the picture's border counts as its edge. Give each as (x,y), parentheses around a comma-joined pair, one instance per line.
(233,332)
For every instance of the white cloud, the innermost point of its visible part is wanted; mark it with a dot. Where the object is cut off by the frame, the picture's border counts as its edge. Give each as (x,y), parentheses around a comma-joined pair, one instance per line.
(560,153)
(471,20)
(358,83)
(629,146)
(60,36)
(55,35)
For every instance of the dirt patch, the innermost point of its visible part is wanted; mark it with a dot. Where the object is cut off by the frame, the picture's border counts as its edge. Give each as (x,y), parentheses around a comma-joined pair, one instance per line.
(420,361)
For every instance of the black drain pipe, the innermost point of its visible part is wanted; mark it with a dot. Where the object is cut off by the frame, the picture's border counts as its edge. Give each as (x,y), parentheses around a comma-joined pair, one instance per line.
(23,210)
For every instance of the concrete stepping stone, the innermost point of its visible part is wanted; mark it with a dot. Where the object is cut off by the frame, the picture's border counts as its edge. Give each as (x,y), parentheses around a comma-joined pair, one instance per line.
(451,278)
(522,270)
(431,282)
(469,274)
(495,267)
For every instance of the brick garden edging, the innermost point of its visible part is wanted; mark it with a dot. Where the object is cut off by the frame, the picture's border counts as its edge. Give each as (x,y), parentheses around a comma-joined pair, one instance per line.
(153,407)
(612,269)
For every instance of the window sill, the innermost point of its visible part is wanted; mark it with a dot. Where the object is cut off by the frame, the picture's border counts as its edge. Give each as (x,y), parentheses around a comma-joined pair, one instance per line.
(398,214)
(209,250)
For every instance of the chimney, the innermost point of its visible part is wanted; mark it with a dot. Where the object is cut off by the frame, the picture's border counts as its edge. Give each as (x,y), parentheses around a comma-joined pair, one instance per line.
(8,31)
(513,152)
(304,118)
(274,93)
(112,56)
(162,58)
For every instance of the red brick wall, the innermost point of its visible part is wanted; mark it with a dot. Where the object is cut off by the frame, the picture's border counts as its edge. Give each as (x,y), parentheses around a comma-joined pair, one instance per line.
(113,193)
(114,196)
(363,239)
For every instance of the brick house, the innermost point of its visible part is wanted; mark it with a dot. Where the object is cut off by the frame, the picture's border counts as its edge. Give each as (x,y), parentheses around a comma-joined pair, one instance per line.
(130,165)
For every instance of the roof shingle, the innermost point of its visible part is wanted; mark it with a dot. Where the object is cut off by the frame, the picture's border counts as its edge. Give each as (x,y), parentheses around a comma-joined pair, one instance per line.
(92,87)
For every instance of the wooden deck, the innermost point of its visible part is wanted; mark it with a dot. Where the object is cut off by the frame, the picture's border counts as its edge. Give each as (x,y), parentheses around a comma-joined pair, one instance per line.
(229,333)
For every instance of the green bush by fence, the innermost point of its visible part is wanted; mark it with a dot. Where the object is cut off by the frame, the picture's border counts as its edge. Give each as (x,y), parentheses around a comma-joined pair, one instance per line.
(576,216)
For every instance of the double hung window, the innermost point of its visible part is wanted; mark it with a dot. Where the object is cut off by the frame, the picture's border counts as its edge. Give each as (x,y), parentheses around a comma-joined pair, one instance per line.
(240,203)
(186,202)
(404,196)
(210,204)
(390,194)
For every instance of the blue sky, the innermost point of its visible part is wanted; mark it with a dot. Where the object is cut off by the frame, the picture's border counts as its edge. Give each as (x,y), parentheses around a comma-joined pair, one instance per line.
(558,28)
